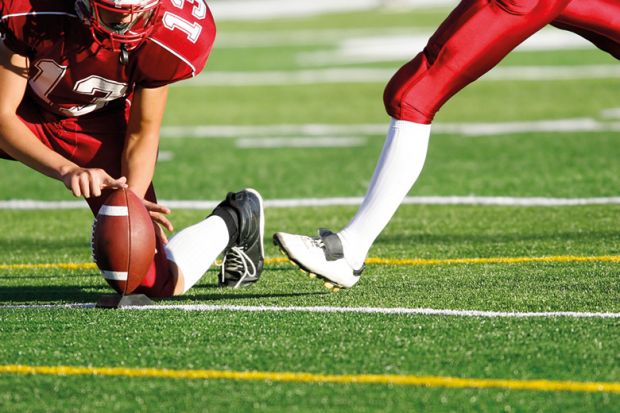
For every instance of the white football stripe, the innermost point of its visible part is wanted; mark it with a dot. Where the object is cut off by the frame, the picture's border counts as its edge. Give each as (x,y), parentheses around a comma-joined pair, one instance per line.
(114,275)
(114,211)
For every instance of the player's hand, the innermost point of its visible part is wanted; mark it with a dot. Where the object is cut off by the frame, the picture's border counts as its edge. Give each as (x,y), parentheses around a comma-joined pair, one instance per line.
(158,215)
(89,182)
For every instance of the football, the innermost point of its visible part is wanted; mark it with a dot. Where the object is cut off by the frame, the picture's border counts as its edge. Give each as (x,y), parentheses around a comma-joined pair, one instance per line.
(123,240)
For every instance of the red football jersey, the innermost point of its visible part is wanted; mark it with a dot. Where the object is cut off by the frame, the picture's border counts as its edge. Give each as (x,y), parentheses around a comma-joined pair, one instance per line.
(72,75)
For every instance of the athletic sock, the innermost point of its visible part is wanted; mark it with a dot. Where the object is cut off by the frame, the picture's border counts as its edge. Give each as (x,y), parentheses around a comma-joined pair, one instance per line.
(399,166)
(195,248)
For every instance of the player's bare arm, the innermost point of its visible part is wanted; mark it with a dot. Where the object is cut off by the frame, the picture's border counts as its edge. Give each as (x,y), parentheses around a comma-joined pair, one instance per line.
(142,140)
(142,144)
(17,140)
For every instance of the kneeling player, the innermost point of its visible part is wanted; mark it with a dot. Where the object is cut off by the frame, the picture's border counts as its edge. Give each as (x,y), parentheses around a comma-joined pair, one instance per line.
(83,87)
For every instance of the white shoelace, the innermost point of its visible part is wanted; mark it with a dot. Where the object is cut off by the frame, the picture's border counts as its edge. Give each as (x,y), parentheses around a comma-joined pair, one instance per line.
(238,262)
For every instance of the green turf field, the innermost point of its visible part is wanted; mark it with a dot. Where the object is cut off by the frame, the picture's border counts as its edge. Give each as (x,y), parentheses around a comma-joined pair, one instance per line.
(560,263)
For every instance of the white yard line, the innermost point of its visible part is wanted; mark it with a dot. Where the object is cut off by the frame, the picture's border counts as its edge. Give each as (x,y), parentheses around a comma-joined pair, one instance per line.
(611,113)
(347,131)
(313,37)
(29,204)
(272,9)
(355,310)
(165,156)
(246,131)
(350,45)
(404,47)
(551,125)
(366,75)
(300,142)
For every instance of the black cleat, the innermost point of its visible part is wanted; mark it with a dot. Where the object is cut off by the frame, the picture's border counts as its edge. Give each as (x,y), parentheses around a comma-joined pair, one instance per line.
(245,256)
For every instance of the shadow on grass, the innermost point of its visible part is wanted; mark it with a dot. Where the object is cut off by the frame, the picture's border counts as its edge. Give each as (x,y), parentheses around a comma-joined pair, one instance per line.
(52,293)
(92,293)
(233,296)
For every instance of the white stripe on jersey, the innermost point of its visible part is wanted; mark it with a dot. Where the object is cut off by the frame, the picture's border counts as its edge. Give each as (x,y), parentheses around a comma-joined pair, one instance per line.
(43,13)
(187,62)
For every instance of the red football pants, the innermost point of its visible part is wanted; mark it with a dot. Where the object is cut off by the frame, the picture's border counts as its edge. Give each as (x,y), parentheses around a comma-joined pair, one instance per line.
(96,141)
(477,35)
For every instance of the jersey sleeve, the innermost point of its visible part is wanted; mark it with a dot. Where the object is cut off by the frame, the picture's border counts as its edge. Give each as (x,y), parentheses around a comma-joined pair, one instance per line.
(27,26)
(179,47)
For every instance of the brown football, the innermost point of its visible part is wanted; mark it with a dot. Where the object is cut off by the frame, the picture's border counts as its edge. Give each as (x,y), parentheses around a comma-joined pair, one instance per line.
(123,241)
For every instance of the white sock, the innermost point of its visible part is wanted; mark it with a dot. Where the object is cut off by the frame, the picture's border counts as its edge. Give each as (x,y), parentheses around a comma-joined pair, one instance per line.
(195,248)
(399,166)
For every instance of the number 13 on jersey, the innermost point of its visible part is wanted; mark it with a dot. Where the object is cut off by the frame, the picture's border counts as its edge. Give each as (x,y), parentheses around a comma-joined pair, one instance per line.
(192,30)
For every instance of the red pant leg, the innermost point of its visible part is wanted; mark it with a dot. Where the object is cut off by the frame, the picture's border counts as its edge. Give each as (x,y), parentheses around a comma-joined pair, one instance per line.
(470,42)
(596,20)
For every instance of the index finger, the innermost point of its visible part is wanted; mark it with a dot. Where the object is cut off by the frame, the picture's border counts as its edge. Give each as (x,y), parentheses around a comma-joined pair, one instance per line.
(153,207)
(109,182)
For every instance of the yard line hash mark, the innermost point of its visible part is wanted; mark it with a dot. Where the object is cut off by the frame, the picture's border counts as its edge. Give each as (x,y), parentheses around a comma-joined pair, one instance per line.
(302,377)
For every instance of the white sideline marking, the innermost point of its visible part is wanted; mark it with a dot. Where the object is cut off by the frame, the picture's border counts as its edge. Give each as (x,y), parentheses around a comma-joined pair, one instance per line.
(356,310)
(360,75)
(373,129)
(29,204)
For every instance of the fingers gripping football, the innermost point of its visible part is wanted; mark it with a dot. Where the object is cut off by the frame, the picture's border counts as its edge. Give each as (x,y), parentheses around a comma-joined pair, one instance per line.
(158,215)
(89,182)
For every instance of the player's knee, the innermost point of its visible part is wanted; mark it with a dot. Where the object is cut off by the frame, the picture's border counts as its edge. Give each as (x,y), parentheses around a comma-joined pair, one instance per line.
(393,99)
(160,280)
(518,7)
(402,98)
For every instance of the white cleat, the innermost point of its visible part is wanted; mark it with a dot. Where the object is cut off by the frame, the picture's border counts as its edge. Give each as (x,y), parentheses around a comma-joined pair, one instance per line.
(320,255)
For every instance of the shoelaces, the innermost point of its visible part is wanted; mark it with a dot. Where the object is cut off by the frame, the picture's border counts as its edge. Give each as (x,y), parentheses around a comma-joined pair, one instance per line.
(237,262)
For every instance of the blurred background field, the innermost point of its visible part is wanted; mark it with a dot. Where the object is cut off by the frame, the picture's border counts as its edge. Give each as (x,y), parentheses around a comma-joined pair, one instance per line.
(291,104)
